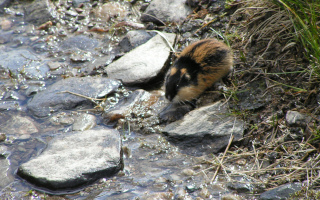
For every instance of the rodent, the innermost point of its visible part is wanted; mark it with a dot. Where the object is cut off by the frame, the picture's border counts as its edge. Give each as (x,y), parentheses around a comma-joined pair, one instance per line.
(196,69)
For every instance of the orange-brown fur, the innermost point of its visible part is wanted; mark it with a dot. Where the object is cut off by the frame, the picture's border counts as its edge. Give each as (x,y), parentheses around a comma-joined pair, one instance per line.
(203,53)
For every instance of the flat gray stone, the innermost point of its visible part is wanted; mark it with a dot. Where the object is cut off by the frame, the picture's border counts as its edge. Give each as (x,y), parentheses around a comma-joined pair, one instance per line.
(282,192)
(52,100)
(166,11)
(206,129)
(75,159)
(143,63)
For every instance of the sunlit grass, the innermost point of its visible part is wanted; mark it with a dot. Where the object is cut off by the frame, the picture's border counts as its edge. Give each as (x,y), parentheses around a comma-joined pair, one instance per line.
(305,16)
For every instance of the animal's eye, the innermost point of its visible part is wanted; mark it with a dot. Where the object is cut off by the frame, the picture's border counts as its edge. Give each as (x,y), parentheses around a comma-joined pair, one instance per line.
(188,76)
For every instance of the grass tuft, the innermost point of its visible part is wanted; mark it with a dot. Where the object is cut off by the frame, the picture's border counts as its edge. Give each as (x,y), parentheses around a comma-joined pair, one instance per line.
(304,16)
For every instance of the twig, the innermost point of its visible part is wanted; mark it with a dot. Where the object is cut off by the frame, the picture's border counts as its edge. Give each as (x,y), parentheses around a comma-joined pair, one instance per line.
(224,154)
(86,97)
(165,38)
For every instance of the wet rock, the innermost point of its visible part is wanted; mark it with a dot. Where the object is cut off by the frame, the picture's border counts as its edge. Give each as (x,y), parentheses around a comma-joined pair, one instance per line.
(166,11)
(2,137)
(204,193)
(143,63)
(282,192)
(134,38)
(240,187)
(294,118)
(80,56)
(81,42)
(39,11)
(4,4)
(54,65)
(5,36)
(13,95)
(54,98)
(19,125)
(205,129)
(83,122)
(158,195)
(6,178)
(126,105)
(174,112)
(62,118)
(9,105)
(24,62)
(75,159)
(110,10)
(230,197)
(5,24)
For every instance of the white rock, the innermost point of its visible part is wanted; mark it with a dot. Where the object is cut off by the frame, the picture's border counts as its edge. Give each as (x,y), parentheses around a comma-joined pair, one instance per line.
(75,160)
(143,63)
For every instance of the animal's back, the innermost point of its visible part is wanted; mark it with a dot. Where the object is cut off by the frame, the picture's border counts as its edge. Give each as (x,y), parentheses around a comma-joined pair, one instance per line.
(196,69)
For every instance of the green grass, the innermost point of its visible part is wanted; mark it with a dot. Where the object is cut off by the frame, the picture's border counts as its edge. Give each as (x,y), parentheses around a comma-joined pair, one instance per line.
(305,16)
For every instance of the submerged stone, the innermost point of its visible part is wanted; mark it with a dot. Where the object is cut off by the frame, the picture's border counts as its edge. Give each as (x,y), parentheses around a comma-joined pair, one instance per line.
(75,159)
(55,97)
(206,129)
(143,63)
(19,126)
(24,62)
(81,42)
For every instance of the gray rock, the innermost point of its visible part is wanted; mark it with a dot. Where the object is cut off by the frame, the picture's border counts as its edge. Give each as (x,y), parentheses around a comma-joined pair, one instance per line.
(127,105)
(240,187)
(52,99)
(24,62)
(19,125)
(205,129)
(9,105)
(282,192)
(143,63)
(134,38)
(39,11)
(81,42)
(173,112)
(4,4)
(166,11)
(294,118)
(74,160)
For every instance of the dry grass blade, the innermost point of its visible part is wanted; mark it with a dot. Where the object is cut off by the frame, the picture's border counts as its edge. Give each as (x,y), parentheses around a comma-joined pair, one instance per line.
(221,161)
(93,100)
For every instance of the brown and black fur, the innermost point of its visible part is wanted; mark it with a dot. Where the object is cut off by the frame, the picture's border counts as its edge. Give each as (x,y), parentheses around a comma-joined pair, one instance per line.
(196,69)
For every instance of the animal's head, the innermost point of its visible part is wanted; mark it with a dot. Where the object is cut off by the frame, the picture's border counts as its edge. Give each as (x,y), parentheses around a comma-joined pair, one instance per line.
(180,81)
